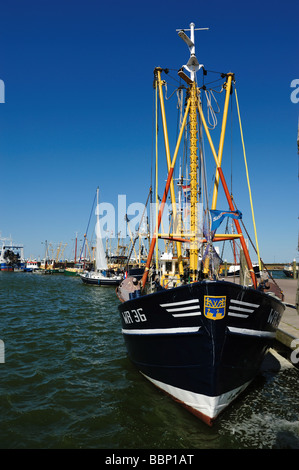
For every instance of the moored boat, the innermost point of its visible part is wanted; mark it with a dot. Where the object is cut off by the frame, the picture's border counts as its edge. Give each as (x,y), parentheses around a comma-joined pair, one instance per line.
(31,266)
(11,256)
(101,276)
(75,270)
(289,270)
(199,339)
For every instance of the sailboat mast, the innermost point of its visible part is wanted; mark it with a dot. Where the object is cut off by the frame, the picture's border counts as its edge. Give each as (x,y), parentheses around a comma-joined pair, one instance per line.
(98,217)
(97,234)
(76,247)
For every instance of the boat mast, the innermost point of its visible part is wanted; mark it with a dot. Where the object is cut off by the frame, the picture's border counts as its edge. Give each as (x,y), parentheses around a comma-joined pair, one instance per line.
(228,88)
(192,67)
(158,83)
(165,194)
(76,247)
(193,182)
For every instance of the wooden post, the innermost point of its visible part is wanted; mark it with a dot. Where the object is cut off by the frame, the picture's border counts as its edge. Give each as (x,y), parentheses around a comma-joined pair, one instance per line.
(294,269)
(242,268)
(297,297)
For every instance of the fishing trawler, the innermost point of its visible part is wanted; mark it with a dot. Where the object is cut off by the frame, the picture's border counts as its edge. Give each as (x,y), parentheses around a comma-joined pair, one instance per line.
(201,339)
(101,276)
(11,255)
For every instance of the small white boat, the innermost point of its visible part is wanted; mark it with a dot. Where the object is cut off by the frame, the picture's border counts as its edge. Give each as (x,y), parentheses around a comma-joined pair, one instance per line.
(102,276)
(31,266)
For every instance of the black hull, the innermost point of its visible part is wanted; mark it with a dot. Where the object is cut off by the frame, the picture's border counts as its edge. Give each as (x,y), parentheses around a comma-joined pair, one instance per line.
(201,343)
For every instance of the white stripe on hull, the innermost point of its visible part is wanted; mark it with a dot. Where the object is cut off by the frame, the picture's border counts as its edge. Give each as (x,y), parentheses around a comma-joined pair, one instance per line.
(191,314)
(158,331)
(245,331)
(194,329)
(241,309)
(183,308)
(239,315)
(182,302)
(240,302)
(207,406)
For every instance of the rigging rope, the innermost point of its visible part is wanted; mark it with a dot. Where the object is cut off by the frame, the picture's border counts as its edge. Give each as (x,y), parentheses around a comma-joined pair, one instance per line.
(180,98)
(248,182)
(156,176)
(137,233)
(212,119)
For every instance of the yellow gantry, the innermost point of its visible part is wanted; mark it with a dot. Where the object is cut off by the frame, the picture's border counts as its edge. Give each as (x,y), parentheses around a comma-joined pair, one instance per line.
(227,194)
(192,106)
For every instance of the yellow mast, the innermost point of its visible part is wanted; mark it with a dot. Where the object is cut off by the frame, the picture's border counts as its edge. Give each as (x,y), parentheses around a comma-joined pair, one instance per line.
(192,67)
(165,194)
(248,182)
(228,197)
(228,86)
(193,181)
(159,82)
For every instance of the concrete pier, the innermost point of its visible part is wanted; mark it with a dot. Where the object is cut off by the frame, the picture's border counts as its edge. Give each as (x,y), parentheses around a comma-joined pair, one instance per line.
(289,325)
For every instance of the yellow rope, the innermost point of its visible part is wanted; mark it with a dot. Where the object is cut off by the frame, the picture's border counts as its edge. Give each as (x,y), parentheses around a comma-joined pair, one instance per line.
(157,200)
(245,160)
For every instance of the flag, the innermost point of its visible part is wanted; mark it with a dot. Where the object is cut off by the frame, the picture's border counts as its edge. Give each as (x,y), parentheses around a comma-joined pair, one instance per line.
(218,216)
(187,193)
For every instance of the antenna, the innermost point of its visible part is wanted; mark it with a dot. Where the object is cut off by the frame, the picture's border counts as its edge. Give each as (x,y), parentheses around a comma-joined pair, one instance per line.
(192,65)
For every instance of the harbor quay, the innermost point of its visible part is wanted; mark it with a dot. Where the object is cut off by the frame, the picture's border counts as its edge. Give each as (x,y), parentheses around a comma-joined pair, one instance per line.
(288,331)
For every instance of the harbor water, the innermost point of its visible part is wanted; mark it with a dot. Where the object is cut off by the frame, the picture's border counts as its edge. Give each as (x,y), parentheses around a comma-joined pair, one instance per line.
(66,381)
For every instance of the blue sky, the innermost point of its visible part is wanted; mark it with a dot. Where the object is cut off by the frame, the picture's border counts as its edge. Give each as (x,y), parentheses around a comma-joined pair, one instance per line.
(79,103)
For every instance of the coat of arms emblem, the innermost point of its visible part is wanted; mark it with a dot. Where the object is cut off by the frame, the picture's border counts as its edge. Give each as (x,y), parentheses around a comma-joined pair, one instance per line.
(214,306)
